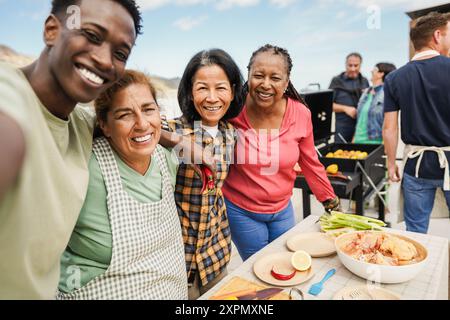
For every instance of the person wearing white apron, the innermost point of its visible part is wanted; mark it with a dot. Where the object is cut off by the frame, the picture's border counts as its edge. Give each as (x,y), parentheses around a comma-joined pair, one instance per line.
(127,243)
(420,90)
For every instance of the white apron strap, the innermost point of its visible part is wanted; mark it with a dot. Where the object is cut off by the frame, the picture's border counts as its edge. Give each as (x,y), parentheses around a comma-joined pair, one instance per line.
(418,151)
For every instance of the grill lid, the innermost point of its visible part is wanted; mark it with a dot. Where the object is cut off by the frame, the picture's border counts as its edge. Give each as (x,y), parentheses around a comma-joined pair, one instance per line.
(320,104)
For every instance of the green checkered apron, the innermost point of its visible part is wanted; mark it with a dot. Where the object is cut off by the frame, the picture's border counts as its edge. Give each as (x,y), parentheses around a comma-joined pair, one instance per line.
(147,247)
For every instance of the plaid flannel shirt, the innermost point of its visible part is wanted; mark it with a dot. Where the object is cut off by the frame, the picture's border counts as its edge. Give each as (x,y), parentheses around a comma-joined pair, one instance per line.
(204,222)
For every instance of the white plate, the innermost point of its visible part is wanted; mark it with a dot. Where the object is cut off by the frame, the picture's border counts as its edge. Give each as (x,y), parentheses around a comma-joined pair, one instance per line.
(365,293)
(317,244)
(263,266)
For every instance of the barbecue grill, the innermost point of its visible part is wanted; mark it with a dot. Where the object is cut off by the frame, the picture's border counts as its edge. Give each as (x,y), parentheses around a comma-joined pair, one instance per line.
(373,164)
(369,172)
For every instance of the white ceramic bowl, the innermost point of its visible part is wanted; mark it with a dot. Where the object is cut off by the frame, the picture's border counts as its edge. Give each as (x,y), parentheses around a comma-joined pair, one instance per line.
(381,273)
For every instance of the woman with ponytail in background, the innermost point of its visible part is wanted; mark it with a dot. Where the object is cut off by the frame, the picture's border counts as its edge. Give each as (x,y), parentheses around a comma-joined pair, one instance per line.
(274,133)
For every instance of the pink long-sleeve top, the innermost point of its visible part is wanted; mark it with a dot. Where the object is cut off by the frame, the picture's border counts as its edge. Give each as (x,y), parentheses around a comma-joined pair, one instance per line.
(262,177)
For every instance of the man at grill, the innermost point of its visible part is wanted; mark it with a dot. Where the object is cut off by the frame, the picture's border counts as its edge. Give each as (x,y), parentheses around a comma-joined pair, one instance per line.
(420,89)
(348,87)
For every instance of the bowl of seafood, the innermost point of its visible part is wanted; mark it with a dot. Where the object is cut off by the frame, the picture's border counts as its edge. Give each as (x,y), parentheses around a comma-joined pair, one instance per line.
(381,256)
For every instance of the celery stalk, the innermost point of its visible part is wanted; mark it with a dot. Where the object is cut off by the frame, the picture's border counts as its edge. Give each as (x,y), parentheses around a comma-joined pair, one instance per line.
(337,220)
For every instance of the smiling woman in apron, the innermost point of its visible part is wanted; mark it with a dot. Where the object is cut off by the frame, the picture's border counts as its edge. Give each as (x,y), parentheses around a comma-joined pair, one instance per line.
(127,242)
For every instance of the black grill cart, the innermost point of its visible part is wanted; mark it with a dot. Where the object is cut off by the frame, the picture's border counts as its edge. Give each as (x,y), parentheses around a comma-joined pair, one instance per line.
(364,176)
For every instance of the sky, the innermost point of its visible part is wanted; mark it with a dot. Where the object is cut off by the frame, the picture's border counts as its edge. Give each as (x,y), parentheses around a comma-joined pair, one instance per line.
(317,34)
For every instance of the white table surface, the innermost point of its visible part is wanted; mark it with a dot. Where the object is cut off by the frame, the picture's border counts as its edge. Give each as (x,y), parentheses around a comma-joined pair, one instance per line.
(430,284)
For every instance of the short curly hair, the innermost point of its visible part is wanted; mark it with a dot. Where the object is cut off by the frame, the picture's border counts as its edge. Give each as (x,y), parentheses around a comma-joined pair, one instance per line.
(208,58)
(59,6)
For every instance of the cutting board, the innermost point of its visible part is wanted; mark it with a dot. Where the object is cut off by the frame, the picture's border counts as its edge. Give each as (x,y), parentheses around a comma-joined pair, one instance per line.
(238,283)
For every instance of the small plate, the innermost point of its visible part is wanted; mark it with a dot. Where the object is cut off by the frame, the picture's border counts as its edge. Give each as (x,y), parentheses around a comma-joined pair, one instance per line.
(317,244)
(263,267)
(365,293)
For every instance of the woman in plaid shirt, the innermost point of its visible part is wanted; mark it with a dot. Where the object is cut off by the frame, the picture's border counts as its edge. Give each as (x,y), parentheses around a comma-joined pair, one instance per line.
(209,94)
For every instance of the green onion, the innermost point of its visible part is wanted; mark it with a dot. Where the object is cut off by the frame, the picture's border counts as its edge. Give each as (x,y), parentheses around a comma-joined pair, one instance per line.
(337,220)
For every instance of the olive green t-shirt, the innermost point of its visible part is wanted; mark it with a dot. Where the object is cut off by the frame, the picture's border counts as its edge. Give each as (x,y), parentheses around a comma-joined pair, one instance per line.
(89,252)
(39,211)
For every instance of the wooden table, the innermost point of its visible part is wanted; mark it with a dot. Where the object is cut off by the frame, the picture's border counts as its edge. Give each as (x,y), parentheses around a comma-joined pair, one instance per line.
(430,284)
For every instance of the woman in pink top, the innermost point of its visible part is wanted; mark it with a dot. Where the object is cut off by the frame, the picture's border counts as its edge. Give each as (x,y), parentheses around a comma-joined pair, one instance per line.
(274,133)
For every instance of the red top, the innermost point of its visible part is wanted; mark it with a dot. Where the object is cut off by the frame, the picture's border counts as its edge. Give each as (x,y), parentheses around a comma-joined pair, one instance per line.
(262,176)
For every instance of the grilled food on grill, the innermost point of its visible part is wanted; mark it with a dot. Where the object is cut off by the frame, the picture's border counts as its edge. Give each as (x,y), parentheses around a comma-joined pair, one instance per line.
(347,154)
(332,169)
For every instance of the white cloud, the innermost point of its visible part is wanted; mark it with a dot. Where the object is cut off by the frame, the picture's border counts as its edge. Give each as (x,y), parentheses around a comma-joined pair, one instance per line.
(282,3)
(406,5)
(218,4)
(227,4)
(155,4)
(341,15)
(187,23)
(321,37)
(191,2)
(152,4)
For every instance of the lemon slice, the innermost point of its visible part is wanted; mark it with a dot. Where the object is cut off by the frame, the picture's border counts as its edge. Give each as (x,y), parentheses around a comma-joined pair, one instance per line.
(301,260)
